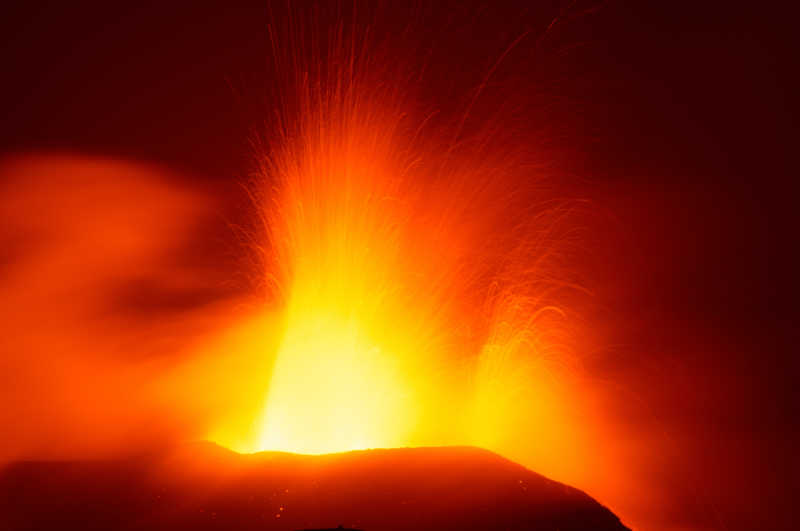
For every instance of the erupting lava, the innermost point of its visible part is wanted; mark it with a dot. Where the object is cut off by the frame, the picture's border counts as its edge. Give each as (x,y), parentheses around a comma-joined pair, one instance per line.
(332,390)
(416,269)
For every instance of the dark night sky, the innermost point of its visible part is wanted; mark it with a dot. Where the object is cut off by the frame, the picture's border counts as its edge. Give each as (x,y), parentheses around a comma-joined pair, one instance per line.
(681,122)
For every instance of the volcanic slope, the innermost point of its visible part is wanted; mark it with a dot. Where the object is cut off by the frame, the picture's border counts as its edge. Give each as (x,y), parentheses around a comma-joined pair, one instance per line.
(202,487)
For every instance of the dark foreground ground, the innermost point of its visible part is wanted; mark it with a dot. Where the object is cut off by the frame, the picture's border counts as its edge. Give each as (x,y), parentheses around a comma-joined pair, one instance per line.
(203,487)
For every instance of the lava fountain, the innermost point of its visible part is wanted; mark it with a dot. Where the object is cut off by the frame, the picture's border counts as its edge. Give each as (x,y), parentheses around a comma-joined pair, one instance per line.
(417,261)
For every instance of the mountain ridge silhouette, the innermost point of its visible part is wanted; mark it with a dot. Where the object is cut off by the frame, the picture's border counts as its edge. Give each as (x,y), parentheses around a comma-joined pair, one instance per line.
(202,486)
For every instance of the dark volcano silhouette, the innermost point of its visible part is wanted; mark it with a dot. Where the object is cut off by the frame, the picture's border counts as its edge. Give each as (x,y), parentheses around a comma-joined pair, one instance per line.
(204,487)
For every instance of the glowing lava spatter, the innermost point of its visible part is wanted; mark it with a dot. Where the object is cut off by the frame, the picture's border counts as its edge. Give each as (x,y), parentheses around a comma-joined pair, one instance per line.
(416,275)
(344,373)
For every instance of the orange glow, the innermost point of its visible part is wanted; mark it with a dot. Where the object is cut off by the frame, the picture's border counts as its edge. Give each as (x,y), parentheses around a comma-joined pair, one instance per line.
(404,310)
(416,294)
(420,289)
